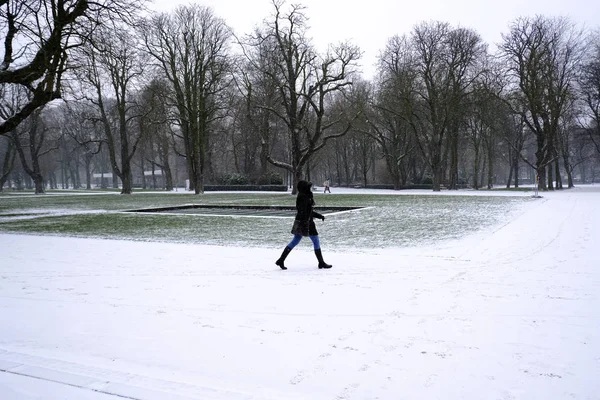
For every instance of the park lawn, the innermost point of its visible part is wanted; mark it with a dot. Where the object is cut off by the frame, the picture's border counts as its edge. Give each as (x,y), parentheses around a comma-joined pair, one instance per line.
(386,221)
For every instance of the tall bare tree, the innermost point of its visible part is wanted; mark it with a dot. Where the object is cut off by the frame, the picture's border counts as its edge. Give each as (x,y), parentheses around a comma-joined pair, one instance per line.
(542,55)
(155,122)
(357,146)
(590,90)
(191,47)
(486,121)
(38,38)
(477,127)
(446,63)
(33,141)
(391,122)
(77,121)
(307,83)
(113,70)
(257,84)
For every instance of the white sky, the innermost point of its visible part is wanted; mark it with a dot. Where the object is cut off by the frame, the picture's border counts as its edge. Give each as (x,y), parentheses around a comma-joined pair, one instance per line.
(372,23)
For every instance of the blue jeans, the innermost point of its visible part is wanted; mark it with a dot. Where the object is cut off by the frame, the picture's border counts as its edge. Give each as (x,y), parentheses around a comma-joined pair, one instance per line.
(298,238)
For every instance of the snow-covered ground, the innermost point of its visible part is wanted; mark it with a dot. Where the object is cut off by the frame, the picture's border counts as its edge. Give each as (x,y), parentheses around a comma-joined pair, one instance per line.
(513,313)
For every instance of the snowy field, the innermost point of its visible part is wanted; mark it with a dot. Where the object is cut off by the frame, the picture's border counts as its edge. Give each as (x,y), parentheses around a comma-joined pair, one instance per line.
(511,313)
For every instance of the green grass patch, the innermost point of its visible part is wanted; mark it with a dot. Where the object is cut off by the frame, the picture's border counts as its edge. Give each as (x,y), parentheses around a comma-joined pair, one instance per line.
(390,220)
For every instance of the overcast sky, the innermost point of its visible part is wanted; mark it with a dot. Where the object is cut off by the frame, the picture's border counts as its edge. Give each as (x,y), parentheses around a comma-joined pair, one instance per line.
(374,21)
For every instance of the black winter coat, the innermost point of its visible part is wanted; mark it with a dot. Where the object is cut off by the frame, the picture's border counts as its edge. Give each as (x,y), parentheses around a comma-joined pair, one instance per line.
(304,224)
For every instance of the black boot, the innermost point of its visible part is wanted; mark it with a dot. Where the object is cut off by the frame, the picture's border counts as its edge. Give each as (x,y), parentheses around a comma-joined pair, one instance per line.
(322,264)
(285,253)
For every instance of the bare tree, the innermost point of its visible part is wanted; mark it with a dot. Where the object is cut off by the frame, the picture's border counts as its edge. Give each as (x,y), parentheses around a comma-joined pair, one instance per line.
(67,156)
(38,38)
(590,90)
(446,61)
(154,121)
(190,47)
(515,140)
(243,123)
(76,120)
(29,140)
(565,138)
(476,129)
(391,122)
(258,85)
(542,55)
(307,82)
(486,122)
(32,141)
(357,146)
(114,67)
(7,155)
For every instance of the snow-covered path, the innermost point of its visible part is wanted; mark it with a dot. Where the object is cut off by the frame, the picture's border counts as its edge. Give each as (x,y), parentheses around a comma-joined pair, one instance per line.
(510,314)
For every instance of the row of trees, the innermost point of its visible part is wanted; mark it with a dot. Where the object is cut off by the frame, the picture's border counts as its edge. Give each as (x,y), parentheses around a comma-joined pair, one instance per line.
(172,91)
(440,91)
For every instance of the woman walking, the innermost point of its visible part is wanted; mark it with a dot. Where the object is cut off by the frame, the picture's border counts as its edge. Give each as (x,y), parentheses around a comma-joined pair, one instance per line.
(304,224)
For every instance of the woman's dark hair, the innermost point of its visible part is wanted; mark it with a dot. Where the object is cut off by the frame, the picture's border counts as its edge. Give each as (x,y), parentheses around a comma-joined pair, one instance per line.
(304,186)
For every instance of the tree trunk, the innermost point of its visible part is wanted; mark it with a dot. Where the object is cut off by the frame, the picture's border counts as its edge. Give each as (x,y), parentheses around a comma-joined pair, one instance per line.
(168,175)
(490,169)
(476,162)
(337,168)
(297,177)
(39,184)
(88,171)
(550,177)
(516,168)
(32,172)
(483,169)
(126,181)
(453,182)
(511,170)
(540,166)
(154,183)
(143,168)
(569,169)
(558,177)
(437,175)
(8,163)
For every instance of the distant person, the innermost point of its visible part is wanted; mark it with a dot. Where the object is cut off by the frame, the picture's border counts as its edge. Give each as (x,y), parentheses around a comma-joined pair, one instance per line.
(326,187)
(304,225)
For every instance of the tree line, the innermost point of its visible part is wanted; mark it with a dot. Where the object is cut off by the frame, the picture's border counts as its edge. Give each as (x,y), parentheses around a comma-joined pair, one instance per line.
(107,88)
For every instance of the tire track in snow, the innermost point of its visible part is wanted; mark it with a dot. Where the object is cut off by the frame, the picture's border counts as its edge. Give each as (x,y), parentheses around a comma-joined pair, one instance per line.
(29,375)
(115,383)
